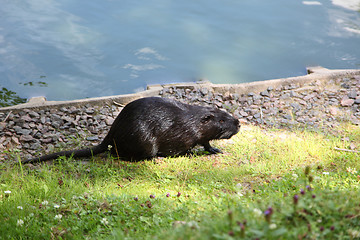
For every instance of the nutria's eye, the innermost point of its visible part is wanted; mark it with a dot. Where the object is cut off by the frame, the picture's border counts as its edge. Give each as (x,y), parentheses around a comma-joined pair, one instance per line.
(207,118)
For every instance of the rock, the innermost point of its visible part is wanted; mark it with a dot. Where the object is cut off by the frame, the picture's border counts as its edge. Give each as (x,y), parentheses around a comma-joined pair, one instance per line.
(55,117)
(46,140)
(295,106)
(92,138)
(89,110)
(83,123)
(333,111)
(267,105)
(72,130)
(56,124)
(265,93)
(50,148)
(310,96)
(2,126)
(26,138)
(34,114)
(43,119)
(22,131)
(35,146)
(38,135)
(109,121)
(63,109)
(257,116)
(26,118)
(302,102)
(355,121)
(346,102)
(74,110)
(293,94)
(345,85)
(357,100)
(285,96)
(352,94)
(67,118)
(15,140)
(287,116)
(218,104)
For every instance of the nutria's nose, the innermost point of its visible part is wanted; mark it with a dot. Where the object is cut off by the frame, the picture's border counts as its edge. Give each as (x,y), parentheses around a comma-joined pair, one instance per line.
(237,121)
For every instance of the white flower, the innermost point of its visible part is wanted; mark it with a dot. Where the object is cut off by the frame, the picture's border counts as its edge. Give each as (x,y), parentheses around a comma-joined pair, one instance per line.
(272,226)
(295,176)
(56,206)
(351,170)
(258,212)
(317,178)
(20,207)
(58,217)
(104,221)
(354,233)
(45,203)
(20,222)
(326,173)
(7,192)
(193,225)
(240,194)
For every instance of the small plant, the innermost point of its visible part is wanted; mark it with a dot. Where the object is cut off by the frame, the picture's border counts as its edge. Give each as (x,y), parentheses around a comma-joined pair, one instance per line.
(9,98)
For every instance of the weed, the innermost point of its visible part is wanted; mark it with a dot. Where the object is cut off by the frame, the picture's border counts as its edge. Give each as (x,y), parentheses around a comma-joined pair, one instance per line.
(269,184)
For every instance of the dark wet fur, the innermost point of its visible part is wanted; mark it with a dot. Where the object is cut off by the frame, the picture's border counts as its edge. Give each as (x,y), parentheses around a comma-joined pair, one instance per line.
(154,126)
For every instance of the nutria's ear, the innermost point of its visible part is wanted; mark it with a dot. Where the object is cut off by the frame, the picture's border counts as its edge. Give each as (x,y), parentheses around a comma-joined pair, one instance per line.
(207,118)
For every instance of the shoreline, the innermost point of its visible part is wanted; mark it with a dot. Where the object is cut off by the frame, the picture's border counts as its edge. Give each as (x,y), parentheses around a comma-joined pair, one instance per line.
(320,99)
(314,73)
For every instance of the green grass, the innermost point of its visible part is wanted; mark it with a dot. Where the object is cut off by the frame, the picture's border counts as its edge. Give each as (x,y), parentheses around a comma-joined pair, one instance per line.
(247,192)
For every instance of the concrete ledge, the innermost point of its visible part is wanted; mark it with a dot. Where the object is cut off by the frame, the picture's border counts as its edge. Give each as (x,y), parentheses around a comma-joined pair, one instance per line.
(314,74)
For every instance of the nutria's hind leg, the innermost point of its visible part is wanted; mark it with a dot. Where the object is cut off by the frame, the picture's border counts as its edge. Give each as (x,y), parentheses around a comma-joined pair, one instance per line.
(210,149)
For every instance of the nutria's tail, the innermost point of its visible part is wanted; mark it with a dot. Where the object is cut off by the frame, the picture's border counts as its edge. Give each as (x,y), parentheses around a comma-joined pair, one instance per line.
(87,152)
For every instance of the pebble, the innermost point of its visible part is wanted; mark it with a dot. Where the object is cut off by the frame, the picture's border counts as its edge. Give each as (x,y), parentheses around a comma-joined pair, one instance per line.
(352,94)
(333,111)
(26,138)
(357,100)
(109,121)
(346,102)
(92,138)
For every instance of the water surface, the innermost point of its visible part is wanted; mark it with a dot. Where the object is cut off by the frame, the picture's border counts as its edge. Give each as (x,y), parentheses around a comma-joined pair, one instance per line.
(76,49)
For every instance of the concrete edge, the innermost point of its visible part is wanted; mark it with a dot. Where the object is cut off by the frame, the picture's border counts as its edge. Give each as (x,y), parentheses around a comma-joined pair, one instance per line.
(314,74)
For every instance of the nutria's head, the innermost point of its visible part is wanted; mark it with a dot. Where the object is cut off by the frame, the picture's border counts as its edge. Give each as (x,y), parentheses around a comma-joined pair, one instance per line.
(218,124)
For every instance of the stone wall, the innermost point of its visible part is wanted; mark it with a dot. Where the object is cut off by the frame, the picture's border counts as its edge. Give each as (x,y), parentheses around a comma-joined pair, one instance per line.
(319,100)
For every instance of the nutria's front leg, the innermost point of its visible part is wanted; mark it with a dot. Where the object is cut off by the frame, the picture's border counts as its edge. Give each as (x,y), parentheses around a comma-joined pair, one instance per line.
(210,149)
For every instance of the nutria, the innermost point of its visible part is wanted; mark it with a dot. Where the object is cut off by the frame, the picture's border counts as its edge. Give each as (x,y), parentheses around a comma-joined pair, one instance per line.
(155,126)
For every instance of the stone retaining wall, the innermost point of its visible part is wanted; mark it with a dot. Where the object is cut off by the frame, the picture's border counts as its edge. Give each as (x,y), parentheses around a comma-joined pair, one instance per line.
(320,99)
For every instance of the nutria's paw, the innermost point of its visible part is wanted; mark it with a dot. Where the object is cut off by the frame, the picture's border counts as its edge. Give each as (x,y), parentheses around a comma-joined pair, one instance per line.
(212,150)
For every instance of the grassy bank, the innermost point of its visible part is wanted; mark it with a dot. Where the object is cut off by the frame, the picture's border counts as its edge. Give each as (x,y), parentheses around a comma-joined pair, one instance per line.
(268,184)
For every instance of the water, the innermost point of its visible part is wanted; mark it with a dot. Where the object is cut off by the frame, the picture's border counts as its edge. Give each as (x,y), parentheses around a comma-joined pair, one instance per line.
(76,49)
